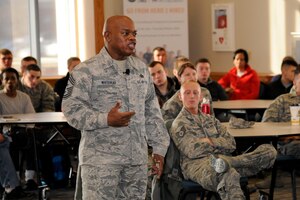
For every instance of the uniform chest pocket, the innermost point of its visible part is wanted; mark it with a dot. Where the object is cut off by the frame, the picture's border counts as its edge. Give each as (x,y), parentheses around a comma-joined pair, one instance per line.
(210,129)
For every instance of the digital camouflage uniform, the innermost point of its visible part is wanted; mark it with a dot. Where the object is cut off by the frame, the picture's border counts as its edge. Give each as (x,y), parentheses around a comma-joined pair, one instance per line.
(279,111)
(173,106)
(186,131)
(42,96)
(113,160)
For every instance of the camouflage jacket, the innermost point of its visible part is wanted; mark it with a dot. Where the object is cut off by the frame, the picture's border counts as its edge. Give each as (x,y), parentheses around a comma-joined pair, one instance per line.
(42,96)
(279,110)
(186,131)
(173,106)
(93,89)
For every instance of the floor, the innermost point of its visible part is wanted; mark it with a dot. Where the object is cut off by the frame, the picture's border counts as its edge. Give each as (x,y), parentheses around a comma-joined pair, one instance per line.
(284,193)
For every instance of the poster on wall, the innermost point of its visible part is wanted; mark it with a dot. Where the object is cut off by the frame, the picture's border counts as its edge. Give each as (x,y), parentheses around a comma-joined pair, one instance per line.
(223,27)
(161,23)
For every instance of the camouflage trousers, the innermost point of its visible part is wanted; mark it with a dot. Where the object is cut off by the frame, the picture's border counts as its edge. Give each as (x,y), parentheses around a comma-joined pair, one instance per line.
(111,182)
(291,148)
(227,184)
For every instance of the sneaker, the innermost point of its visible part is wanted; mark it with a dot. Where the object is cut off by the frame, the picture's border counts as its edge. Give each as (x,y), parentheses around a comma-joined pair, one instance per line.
(266,183)
(220,165)
(30,185)
(16,193)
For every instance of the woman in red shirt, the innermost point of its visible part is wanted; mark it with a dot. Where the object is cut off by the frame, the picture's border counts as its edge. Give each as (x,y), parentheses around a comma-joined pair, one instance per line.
(241,82)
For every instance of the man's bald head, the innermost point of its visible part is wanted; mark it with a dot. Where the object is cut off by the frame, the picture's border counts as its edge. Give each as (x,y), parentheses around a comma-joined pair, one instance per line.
(111,22)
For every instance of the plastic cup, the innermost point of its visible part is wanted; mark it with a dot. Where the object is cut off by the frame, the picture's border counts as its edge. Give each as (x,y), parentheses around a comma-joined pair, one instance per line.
(295,113)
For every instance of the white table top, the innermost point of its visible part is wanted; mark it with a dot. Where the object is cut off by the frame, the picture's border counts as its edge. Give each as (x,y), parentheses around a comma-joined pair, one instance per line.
(242,104)
(44,117)
(266,129)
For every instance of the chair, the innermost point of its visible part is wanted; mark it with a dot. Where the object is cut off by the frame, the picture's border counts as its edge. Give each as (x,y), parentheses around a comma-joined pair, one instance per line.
(290,163)
(191,187)
(263,91)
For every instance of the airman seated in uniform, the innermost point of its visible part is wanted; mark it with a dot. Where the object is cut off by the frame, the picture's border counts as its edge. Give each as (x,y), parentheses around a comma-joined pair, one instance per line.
(42,97)
(279,111)
(205,148)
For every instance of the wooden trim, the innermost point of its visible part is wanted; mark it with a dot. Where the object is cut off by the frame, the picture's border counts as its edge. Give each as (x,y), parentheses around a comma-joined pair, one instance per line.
(99,22)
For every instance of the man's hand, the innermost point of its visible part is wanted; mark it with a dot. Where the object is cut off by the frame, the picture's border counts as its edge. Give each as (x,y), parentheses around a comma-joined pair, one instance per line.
(2,138)
(207,140)
(118,119)
(158,165)
(229,90)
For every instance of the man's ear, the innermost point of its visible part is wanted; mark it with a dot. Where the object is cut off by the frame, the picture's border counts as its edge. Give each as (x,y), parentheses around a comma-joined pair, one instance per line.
(179,96)
(107,36)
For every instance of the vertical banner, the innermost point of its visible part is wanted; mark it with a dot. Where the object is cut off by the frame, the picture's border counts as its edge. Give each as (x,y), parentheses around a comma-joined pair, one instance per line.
(223,27)
(161,23)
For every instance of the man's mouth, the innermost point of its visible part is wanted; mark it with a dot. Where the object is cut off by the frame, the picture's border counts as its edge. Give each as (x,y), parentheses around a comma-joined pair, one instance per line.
(132,45)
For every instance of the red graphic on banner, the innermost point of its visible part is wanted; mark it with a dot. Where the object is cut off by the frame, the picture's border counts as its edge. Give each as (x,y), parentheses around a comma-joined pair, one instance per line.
(221,39)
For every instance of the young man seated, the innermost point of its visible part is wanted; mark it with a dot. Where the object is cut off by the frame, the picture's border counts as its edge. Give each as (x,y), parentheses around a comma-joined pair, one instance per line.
(279,111)
(12,101)
(205,148)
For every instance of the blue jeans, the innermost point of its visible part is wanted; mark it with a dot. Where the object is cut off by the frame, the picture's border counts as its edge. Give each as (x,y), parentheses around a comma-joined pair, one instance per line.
(8,175)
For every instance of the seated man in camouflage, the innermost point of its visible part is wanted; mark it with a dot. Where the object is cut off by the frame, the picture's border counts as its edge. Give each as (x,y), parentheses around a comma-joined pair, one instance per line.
(279,111)
(205,147)
(172,107)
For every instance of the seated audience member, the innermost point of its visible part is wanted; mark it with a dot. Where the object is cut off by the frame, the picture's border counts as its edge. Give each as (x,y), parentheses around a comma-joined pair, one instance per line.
(29,60)
(284,83)
(61,84)
(42,97)
(160,54)
(13,101)
(164,85)
(205,148)
(6,59)
(279,111)
(216,91)
(172,107)
(241,82)
(41,93)
(176,65)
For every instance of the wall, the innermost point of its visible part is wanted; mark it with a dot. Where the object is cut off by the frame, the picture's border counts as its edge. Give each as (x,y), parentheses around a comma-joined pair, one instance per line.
(261,27)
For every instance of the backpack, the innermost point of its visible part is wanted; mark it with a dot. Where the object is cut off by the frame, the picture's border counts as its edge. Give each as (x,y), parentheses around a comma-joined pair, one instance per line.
(170,184)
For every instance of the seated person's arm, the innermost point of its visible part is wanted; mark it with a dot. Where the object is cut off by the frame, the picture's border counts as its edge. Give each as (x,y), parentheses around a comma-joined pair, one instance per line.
(225,142)
(189,143)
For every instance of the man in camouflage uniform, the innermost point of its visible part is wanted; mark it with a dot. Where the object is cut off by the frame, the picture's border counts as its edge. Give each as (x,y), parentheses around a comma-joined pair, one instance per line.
(173,106)
(204,142)
(43,98)
(279,111)
(111,99)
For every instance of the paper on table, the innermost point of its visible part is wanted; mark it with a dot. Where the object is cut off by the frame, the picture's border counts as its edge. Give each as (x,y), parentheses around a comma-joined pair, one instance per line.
(9,119)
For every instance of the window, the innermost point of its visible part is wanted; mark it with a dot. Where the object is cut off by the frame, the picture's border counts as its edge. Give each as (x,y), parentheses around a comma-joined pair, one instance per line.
(55,28)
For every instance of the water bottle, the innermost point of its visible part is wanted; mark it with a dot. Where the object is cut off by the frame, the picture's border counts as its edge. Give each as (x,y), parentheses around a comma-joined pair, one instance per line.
(205,106)
(59,173)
